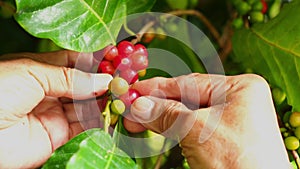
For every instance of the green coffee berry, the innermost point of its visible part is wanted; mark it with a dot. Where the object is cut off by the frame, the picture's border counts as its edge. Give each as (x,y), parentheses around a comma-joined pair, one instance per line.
(251,2)
(294,119)
(257,6)
(297,132)
(274,9)
(286,117)
(256,17)
(238,23)
(243,7)
(278,95)
(117,107)
(291,143)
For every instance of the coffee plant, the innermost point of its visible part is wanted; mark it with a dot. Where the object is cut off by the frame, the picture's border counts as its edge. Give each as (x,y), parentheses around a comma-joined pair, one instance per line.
(250,36)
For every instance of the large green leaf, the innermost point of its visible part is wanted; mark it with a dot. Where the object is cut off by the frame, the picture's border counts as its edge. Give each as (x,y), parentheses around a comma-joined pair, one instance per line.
(62,155)
(91,149)
(80,25)
(272,49)
(137,6)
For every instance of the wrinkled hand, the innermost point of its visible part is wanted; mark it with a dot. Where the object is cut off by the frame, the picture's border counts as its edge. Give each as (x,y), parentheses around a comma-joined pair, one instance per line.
(235,126)
(33,120)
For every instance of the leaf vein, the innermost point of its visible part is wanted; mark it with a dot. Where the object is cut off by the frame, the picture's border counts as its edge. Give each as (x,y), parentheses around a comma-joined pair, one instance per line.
(84,32)
(99,18)
(273,44)
(110,157)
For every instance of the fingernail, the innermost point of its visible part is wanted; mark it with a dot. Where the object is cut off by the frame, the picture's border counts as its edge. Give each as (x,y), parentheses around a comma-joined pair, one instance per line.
(101,81)
(141,108)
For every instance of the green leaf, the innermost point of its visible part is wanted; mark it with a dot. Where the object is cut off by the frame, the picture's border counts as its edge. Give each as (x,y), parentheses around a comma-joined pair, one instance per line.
(272,49)
(99,151)
(62,155)
(173,57)
(91,149)
(138,6)
(80,25)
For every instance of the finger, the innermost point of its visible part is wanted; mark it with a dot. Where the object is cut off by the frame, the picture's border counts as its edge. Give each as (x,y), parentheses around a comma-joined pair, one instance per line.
(167,117)
(78,127)
(65,82)
(56,125)
(79,112)
(67,58)
(26,82)
(196,88)
(75,129)
(132,125)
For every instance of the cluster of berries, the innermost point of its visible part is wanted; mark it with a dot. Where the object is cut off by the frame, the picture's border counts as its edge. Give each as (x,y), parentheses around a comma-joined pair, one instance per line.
(291,130)
(125,62)
(255,10)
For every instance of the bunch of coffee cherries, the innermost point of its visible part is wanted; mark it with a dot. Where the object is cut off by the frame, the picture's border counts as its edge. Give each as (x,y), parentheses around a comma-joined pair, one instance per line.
(126,62)
(291,130)
(255,11)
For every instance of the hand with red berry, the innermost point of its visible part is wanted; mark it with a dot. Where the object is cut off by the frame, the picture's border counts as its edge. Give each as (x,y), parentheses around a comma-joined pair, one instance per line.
(33,119)
(220,122)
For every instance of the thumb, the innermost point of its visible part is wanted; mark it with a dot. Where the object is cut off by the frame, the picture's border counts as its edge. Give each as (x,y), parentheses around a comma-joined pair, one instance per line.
(24,83)
(69,82)
(167,117)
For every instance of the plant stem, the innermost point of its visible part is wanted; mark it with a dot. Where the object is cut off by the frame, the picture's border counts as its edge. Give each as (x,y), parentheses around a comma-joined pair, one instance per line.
(225,40)
(140,34)
(106,114)
(296,157)
(159,159)
(205,21)
(128,30)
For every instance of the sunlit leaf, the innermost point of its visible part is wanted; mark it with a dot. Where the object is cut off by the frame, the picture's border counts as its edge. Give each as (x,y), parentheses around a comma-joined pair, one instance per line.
(62,155)
(80,25)
(91,149)
(137,6)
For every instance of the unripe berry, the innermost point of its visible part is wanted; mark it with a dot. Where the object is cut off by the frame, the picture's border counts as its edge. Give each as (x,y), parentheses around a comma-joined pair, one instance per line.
(243,7)
(118,86)
(297,132)
(142,73)
(256,17)
(238,23)
(274,9)
(117,107)
(291,143)
(295,119)
(257,6)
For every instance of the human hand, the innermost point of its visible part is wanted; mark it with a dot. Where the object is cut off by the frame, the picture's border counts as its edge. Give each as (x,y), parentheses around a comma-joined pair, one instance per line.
(33,119)
(235,126)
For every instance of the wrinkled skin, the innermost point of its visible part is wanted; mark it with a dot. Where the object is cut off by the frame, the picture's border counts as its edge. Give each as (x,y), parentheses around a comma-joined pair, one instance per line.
(235,127)
(33,119)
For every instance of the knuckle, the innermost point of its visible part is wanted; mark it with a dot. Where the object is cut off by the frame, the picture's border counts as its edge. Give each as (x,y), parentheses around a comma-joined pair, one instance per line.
(26,62)
(256,81)
(67,77)
(174,107)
